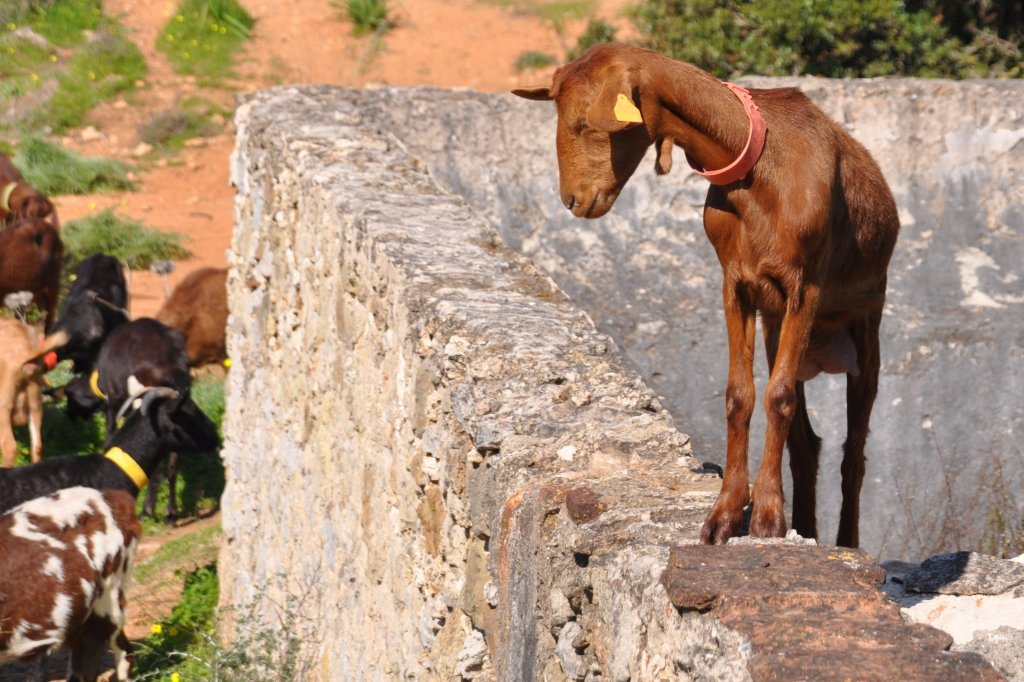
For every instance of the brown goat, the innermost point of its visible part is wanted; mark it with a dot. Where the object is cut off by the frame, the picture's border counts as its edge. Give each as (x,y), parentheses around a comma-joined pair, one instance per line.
(31,257)
(198,308)
(803,226)
(65,566)
(18,199)
(21,395)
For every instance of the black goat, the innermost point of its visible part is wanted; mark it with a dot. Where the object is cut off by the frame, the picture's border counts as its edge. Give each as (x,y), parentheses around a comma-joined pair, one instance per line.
(94,307)
(136,356)
(165,421)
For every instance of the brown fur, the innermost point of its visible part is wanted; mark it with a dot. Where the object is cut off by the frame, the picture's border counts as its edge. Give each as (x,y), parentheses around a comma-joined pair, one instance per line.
(804,240)
(66,563)
(25,201)
(21,395)
(198,307)
(31,258)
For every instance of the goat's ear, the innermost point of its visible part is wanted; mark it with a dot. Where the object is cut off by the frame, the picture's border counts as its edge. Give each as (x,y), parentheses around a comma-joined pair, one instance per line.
(663,164)
(614,109)
(539,93)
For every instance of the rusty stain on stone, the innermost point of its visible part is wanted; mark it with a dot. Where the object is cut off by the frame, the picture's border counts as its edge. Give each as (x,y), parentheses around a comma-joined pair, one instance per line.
(583,505)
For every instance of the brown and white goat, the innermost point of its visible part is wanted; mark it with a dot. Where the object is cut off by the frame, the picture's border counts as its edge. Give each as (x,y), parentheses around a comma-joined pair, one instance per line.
(31,258)
(803,223)
(18,199)
(65,565)
(21,393)
(198,308)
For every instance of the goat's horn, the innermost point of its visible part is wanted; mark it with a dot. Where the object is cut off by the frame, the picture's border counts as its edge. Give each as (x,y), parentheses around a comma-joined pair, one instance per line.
(156,393)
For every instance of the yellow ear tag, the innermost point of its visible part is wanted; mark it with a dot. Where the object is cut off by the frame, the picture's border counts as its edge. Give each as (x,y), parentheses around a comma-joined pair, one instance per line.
(626,111)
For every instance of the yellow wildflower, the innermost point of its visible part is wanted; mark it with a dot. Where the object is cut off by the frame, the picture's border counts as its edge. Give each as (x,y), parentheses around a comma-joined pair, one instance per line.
(175,677)
(156,629)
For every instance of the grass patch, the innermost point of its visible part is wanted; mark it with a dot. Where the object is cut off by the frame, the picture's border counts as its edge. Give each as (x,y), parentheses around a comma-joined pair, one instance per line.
(128,240)
(82,60)
(186,645)
(533,60)
(204,36)
(108,65)
(54,170)
(367,16)
(170,129)
(198,548)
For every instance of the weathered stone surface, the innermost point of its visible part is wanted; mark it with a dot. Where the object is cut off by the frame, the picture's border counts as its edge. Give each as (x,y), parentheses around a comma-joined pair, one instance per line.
(966,573)
(971,620)
(1002,648)
(812,613)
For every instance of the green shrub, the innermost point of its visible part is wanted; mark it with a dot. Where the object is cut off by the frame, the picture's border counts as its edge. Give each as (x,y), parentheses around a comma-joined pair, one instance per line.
(131,242)
(368,16)
(836,38)
(533,60)
(172,127)
(54,170)
(203,37)
(64,22)
(107,65)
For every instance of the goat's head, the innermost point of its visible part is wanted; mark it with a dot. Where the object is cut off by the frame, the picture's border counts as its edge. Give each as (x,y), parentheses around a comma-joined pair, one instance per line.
(178,421)
(27,202)
(600,136)
(82,400)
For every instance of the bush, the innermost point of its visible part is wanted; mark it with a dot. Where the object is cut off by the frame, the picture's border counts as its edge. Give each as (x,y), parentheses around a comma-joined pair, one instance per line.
(203,37)
(128,240)
(834,38)
(367,16)
(54,170)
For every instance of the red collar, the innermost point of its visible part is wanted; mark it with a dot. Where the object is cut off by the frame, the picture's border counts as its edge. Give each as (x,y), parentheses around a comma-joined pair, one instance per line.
(738,169)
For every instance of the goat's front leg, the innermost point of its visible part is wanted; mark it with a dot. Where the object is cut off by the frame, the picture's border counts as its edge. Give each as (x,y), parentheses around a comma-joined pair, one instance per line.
(781,403)
(726,516)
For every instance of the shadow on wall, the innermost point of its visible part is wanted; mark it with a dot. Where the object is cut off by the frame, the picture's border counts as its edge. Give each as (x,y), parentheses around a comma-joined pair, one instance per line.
(944,462)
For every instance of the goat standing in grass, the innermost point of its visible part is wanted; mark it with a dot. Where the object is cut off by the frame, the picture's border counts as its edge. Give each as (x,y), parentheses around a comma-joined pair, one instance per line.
(21,392)
(136,357)
(804,225)
(94,306)
(198,308)
(18,199)
(65,565)
(164,421)
(31,258)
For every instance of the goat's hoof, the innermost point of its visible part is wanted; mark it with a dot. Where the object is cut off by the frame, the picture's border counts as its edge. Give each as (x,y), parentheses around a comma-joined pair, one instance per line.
(720,526)
(768,524)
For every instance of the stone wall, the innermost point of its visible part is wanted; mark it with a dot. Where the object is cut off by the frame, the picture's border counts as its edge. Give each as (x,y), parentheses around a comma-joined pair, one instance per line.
(437,465)
(411,409)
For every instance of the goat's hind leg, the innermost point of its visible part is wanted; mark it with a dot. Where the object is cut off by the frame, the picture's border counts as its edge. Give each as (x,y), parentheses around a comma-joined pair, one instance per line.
(860,398)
